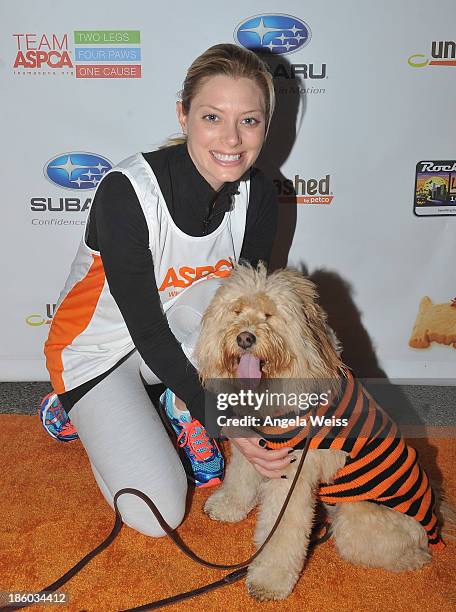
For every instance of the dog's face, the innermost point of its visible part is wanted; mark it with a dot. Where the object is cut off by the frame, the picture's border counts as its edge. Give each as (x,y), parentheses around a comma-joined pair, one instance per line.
(260,326)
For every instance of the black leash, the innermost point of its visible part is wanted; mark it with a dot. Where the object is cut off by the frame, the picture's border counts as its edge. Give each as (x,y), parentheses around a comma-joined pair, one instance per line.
(240,568)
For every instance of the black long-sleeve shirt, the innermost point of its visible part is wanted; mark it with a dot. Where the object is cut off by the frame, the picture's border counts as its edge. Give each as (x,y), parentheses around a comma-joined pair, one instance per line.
(117,229)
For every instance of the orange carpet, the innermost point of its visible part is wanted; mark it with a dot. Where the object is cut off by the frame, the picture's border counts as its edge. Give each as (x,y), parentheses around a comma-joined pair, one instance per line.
(52,514)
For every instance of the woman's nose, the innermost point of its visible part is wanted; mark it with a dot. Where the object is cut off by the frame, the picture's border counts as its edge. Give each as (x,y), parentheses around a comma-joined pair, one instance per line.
(232,135)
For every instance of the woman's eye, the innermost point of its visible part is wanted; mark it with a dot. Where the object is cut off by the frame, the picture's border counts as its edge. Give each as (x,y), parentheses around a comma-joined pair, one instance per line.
(247,121)
(251,121)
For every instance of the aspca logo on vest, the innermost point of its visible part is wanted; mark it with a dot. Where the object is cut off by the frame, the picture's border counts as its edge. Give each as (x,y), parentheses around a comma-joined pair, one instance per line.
(185,275)
(42,54)
(443,53)
(36,320)
(305,191)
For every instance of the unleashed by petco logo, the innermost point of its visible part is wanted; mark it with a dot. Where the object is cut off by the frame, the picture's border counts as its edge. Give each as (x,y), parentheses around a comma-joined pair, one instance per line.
(304,191)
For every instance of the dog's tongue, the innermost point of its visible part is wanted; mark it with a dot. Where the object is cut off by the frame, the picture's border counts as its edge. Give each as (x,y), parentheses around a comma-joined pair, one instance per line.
(249,367)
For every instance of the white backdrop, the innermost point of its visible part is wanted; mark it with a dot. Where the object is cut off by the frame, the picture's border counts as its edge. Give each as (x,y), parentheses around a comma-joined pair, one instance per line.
(366,124)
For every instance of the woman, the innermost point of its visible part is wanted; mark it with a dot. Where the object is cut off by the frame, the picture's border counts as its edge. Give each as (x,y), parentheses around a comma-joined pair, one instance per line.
(164,228)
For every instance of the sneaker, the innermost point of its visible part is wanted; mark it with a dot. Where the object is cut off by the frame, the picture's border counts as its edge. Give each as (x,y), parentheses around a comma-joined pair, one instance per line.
(203,453)
(55,420)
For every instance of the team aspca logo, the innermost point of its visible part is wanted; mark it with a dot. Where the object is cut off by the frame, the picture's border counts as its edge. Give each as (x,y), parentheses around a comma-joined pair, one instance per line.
(185,276)
(90,54)
(39,51)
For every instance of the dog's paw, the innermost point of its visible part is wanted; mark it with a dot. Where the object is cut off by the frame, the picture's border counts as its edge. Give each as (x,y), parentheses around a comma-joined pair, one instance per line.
(411,559)
(265,583)
(222,507)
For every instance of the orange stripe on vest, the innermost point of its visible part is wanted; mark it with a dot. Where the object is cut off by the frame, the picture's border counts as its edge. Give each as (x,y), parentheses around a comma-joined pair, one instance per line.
(72,317)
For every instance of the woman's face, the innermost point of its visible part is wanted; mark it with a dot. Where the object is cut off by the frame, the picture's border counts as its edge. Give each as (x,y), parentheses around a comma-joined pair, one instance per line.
(225,128)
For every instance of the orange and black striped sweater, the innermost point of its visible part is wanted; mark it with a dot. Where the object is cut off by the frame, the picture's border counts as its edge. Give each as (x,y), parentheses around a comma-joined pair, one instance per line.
(380,467)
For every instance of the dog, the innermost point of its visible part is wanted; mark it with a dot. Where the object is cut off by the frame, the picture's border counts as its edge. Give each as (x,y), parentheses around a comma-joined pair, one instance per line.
(270,327)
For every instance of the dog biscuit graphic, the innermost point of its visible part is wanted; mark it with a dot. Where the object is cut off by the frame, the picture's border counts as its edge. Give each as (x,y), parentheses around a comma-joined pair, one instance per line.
(434,323)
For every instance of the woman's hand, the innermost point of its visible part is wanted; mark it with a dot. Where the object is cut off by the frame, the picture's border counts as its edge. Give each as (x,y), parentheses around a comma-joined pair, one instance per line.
(269,463)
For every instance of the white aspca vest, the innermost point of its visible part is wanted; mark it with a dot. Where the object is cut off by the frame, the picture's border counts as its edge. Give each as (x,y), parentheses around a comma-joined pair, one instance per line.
(88,334)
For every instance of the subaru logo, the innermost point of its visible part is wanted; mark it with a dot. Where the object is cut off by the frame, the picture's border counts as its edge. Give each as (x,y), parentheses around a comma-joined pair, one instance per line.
(77,170)
(280,34)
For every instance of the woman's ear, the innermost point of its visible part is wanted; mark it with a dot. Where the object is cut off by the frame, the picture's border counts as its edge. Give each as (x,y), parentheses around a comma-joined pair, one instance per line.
(182,117)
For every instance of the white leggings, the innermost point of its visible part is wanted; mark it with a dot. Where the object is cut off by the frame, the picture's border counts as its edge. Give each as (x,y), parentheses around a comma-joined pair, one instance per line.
(123,436)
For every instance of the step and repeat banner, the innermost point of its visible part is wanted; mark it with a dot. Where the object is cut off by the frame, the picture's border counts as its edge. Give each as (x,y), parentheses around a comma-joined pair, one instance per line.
(363,141)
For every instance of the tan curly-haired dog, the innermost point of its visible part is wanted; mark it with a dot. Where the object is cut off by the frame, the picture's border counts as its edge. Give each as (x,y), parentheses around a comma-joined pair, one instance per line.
(274,327)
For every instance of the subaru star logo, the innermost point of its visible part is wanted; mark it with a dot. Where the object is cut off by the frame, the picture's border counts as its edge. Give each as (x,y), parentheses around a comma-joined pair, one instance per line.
(77,170)
(281,34)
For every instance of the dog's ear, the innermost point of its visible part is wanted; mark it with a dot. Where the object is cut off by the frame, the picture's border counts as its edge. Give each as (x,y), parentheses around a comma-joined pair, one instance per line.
(301,286)
(306,291)
(336,343)
(208,348)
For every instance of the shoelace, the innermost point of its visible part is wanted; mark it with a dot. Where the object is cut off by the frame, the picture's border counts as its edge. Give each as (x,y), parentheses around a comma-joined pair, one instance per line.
(190,435)
(68,428)
(59,416)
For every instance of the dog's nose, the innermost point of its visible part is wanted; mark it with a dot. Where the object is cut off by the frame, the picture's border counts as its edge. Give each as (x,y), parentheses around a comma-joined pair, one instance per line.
(245,340)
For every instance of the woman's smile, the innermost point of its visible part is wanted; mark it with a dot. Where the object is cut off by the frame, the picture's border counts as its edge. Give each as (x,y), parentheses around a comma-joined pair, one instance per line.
(227,159)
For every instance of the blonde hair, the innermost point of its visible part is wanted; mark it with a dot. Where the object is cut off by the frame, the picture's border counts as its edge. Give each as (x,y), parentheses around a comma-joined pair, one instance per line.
(230,60)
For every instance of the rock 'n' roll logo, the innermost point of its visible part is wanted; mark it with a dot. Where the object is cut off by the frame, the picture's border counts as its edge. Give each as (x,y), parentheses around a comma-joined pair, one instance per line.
(435,188)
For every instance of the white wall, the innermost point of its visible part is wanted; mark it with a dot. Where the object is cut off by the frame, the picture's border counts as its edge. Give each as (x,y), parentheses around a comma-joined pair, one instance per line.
(374,120)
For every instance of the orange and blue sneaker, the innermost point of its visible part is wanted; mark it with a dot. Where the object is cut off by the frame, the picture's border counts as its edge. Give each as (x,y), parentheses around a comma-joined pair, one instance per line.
(55,420)
(203,454)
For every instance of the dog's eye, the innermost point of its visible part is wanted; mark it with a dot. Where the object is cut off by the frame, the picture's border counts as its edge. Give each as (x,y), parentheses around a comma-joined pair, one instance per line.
(267,315)
(237,312)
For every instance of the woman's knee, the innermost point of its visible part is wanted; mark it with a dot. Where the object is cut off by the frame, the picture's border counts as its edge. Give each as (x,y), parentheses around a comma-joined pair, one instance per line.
(136,513)
(170,500)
